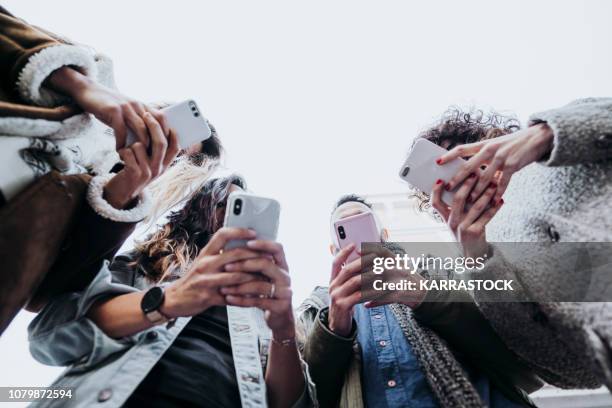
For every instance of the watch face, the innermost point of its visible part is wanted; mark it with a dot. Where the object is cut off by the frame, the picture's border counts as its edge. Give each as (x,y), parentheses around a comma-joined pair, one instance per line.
(152,300)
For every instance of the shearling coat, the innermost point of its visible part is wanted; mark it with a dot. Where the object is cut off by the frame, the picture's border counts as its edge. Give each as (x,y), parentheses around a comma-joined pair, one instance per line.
(56,228)
(565,198)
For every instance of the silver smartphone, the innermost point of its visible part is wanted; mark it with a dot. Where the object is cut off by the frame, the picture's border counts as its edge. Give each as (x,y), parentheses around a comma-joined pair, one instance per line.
(186,120)
(245,210)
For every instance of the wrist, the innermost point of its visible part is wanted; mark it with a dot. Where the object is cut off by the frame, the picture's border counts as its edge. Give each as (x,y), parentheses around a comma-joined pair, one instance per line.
(341,326)
(118,201)
(281,334)
(544,137)
(169,307)
(69,81)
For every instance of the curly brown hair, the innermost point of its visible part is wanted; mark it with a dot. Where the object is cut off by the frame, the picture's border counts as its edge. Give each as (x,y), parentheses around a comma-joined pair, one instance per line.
(457,127)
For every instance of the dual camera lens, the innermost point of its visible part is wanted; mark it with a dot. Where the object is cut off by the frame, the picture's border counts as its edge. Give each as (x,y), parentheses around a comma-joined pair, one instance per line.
(237,207)
(341,232)
(194,109)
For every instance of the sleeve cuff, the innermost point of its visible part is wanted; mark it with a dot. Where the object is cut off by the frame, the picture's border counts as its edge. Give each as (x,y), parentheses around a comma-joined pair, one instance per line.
(43,63)
(103,208)
(321,324)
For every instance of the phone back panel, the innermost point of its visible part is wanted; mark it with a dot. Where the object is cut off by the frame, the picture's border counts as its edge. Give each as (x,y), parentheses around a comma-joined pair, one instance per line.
(186,120)
(421,171)
(257,213)
(358,229)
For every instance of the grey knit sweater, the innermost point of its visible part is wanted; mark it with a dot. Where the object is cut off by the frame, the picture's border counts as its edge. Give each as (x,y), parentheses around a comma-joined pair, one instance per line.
(566,198)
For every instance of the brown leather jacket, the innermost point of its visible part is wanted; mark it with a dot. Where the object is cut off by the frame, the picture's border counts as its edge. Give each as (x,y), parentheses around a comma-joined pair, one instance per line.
(51,240)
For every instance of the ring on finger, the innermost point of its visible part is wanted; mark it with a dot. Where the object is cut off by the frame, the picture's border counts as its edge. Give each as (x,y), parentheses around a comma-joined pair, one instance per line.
(272,291)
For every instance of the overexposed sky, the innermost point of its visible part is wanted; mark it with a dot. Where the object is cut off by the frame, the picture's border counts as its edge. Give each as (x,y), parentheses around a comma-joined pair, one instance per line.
(320,98)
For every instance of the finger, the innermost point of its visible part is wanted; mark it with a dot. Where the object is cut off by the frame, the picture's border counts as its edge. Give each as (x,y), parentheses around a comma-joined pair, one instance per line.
(273,248)
(143,160)
(502,185)
(458,207)
(136,124)
(479,206)
(172,150)
(473,165)
(119,129)
(161,119)
(349,270)
(257,289)
(348,302)
(376,303)
(488,215)
(487,176)
(223,236)
(465,150)
(129,160)
(274,305)
(349,287)
(159,144)
(263,265)
(340,259)
(436,200)
(224,279)
(222,260)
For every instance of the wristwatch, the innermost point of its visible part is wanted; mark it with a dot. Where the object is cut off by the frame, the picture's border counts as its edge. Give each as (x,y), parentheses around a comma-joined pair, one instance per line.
(151,302)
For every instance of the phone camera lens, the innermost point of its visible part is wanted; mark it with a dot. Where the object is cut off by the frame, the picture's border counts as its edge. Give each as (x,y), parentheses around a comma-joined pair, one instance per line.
(238,206)
(405,171)
(341,232)
(196,114)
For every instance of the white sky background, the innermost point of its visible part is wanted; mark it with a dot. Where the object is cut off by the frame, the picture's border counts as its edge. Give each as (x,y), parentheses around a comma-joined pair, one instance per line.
(320,98)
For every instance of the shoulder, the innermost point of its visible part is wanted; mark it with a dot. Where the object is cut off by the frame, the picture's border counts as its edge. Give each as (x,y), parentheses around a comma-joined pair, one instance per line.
(125,268)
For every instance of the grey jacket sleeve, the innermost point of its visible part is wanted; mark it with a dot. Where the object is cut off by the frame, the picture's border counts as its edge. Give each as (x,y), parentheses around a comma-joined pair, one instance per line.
(582,131)
(62,334)
(549,336)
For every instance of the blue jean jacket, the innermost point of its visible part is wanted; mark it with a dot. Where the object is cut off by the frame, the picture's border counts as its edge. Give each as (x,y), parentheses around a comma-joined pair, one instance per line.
(104,372)
(392,376)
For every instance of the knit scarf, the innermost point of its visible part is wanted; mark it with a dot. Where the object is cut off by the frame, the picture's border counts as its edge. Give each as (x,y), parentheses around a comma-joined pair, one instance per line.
(444,374)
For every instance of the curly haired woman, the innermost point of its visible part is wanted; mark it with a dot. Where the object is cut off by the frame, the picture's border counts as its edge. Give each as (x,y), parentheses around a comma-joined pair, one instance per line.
(554,176)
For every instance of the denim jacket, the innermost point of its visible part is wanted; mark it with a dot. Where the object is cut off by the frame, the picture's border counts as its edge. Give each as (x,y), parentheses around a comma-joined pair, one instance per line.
(104,372)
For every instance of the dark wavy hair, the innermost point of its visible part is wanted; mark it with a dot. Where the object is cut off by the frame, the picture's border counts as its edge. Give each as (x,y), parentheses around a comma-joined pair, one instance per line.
(457,127)
(166,253)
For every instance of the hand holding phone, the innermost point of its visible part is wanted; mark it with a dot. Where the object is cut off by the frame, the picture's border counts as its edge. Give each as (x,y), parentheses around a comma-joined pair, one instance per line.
(186,121)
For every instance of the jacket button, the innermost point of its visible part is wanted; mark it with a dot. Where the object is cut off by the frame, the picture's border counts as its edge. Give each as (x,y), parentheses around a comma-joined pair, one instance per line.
(553,234)
(152,335)
(105,395)
(604,141)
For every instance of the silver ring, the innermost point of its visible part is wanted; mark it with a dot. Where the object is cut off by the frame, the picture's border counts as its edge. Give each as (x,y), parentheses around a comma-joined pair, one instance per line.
(272,291)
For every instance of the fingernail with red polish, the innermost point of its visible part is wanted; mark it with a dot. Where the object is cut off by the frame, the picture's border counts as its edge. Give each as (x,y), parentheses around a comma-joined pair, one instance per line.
(439,181)
(500,201)
(447,187)
(438,161)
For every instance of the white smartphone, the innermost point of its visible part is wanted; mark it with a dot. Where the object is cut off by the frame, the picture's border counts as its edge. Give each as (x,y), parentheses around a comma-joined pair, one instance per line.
(421,171)
(186,120)
(245,210)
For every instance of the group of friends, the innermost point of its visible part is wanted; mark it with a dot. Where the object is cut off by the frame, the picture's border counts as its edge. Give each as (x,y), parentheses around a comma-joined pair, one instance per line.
(153,327)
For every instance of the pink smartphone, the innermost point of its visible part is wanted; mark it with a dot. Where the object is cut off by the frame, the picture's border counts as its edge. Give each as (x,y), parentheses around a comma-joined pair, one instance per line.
(356,229)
